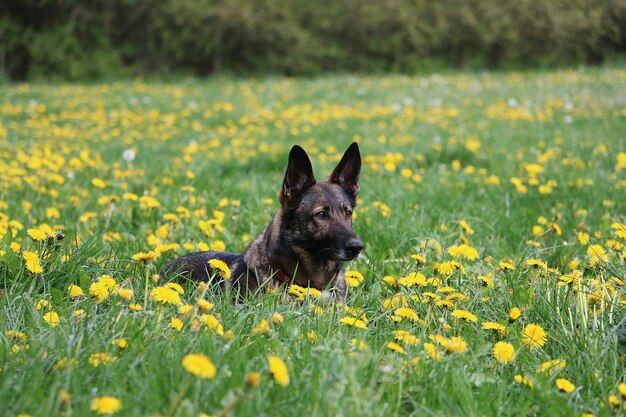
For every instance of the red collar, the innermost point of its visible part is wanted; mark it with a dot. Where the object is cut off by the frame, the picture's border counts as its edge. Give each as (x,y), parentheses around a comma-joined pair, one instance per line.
(279,272)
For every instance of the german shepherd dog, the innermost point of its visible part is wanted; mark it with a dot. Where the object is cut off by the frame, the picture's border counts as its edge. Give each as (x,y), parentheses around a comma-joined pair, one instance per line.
(307,242)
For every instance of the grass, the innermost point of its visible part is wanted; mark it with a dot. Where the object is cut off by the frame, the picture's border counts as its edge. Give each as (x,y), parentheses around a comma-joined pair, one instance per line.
(526,168)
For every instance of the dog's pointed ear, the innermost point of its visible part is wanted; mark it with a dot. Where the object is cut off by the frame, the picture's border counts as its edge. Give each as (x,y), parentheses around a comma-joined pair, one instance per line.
(347,172)
(298,177)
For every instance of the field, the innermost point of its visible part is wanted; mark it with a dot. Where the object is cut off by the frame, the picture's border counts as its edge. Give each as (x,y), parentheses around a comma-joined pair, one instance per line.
(492,209)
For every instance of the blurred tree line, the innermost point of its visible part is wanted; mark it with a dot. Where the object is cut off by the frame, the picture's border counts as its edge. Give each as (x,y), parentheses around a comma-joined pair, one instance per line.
(78,39)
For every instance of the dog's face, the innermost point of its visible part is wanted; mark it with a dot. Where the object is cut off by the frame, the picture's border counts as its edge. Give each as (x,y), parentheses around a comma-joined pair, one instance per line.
(317,217)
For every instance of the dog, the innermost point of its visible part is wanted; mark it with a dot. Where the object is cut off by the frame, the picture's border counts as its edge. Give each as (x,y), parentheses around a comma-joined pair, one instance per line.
(307,242)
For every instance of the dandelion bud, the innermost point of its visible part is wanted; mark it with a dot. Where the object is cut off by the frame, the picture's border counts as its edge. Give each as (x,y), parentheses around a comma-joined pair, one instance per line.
(253,379)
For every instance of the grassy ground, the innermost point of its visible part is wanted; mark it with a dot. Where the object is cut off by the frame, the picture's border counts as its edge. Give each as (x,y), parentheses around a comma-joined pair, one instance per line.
(526,170)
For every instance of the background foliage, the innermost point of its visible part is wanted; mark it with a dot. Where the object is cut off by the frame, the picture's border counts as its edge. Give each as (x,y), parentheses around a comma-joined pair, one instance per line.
(74,39)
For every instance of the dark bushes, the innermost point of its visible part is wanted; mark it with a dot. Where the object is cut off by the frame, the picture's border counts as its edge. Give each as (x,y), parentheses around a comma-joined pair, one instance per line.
(75,39)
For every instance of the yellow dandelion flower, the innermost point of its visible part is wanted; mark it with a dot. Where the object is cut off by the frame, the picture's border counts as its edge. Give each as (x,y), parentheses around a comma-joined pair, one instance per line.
(98,291)
(574,279)
(199,365)
(220,268)
(596,255)
(406,337)
(487,280)
(218,245)
(419,258)
(353,278)
(120,343)
(505,266)
(262,328)
(504,352)
(466,227)
(615,402)
(135,307)
(106,405)
(145,256)
(395,301)
(52,318)
(464,315)
(125,293)
(432,351)
(406,312)
(301,293)
(550,366)
(490,325)
(148,202)
(176,287)
(176,324)
(278,370)
(414,278)
(32,262)
(101,358)
(622,389)
(108,282)
(452,345)
(557,229)
(395,347)
(536,264)
(212,323)
(165,295)
(583,238)
(277,318)
(16,335)
(565,385)
(358,344)
(522,379)
(448,268)
(534,336)
(36,234)
(98,183)
(353,321)
(389,280)
(65,363)
(75,291)
(317,310)
(205,305)
(515,314)
(42,304)
(463,251)
(185,309)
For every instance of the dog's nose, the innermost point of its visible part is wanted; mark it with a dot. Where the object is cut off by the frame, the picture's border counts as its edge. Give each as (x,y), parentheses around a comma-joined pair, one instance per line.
(354,247)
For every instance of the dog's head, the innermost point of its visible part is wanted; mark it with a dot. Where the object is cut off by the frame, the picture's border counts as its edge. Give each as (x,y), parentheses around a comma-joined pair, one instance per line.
(317,216)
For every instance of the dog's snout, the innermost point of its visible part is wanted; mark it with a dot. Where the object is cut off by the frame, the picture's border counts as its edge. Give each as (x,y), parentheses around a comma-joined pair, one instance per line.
(354,247)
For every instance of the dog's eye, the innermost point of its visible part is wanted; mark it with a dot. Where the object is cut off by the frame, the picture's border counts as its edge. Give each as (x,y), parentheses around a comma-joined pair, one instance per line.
(349,212)
(322,214)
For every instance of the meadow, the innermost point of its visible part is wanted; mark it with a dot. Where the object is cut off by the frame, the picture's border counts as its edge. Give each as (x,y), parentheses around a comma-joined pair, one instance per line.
(492,210)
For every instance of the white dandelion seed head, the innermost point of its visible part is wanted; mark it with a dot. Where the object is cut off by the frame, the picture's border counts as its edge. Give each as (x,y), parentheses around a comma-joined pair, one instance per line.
(129,155)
